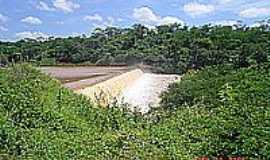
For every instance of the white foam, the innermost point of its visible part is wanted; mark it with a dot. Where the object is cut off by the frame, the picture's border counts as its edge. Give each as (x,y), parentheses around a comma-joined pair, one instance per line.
(145,91)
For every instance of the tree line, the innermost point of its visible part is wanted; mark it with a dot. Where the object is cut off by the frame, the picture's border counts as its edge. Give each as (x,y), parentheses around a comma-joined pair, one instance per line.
(169,48)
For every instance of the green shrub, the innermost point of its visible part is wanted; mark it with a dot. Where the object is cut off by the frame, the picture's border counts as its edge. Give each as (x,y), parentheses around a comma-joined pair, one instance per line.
(223,113)
(215,112)
(41,120)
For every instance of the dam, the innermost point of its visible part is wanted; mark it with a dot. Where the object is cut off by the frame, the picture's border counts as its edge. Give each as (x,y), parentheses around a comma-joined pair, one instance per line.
(128,86)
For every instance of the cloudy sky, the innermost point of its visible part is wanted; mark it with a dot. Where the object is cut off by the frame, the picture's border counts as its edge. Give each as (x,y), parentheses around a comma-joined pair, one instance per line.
(34,18)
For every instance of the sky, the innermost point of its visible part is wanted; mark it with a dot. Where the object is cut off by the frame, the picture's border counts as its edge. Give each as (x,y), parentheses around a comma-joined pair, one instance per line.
(34,18)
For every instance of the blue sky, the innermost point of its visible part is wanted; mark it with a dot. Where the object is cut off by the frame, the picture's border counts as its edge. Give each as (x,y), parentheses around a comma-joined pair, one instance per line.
(34,18)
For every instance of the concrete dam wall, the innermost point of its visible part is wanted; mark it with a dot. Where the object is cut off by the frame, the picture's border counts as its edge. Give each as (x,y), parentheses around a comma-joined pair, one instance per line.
(105,92)
(135,89)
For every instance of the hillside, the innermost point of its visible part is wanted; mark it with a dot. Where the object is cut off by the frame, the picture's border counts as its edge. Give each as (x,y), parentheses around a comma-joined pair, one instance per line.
(218,111)
(170,48)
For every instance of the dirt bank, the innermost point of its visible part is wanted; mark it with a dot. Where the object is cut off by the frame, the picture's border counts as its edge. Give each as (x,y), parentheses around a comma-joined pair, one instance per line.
(80,77)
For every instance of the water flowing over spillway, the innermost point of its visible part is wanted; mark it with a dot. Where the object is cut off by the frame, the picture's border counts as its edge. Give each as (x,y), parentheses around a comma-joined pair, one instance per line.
(102,85)
(144,93)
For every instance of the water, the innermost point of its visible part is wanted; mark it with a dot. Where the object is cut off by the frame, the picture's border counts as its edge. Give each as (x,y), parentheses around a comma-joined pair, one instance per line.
(144,93)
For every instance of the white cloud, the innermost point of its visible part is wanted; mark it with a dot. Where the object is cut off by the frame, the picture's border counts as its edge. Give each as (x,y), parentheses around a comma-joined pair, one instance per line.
(3,18)
(196,9)
(226,23)
(32,35)
(255,12)
(65,5)
(95,17)
(3,29)
(224,1)
(169,20)
(44,6)
(108,21)
(99,21)
(148,17)
(145,14)
(119,20)
(32,20)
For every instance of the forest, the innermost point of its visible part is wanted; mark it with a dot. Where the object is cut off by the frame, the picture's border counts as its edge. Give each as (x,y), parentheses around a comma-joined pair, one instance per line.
(220,109)
(169,48)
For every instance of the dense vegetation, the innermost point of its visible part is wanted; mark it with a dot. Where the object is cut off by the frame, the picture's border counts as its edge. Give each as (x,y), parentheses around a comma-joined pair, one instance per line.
(223,111)
(218,111)
(221,107)
(170,48)
(41,120)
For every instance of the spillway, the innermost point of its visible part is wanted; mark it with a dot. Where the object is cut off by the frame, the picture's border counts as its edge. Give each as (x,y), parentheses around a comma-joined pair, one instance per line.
(103,85)
(145,92)
(107,91)
(137,90)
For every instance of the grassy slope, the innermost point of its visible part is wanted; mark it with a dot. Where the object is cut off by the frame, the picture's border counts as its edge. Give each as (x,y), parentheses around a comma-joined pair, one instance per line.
(221,113)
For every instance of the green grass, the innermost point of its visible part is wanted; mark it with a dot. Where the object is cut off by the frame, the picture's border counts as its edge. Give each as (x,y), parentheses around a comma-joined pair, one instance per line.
(214,112)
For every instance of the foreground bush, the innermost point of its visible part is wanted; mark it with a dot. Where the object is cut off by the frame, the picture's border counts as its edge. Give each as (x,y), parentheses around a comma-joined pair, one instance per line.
(41,120)
(224,112)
